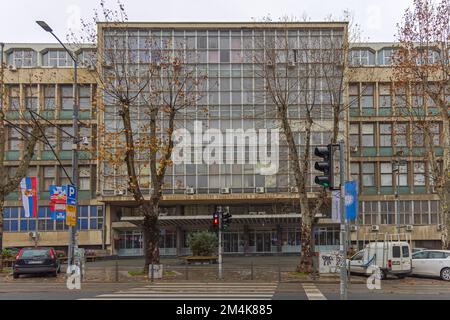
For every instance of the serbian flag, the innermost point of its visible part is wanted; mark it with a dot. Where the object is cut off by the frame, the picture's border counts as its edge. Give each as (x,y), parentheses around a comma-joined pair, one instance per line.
(28,186)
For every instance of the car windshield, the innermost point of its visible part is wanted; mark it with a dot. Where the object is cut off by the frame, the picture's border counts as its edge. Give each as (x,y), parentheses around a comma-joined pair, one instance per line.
(30,254)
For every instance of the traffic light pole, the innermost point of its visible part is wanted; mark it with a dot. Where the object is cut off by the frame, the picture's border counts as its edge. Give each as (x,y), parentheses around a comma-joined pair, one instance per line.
(343,246)
(220,246)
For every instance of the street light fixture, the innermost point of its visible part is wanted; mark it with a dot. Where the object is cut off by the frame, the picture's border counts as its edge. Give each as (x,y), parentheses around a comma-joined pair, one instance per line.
(75,142)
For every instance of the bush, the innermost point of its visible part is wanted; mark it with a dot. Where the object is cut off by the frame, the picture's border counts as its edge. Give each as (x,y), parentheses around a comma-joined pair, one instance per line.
(203,244)
(7,254)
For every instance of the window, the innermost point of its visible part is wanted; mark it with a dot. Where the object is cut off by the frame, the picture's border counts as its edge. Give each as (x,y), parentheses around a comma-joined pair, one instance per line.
(368,174)
(435,133)
(14,139)
(419,173)
(49,97)
(436,255)
(85,178)
(385,56)
(405,252)
(354,135)
(49,177)
(418,138)
(14,98)
(354,167)
(420,255)
(386,174)
(50,134)
(22,58)
(405,212)
(66,138)
(87,58)
(403,177)
(387,209)
(31,98)
(362,57)
(421,212)
(354,96)
(400,134)
(358,256)
(57,58)
(385,96)
(368,135)
(63,179)
(84,93)
(385,135)
(367,96)
(395,252)
(67,97)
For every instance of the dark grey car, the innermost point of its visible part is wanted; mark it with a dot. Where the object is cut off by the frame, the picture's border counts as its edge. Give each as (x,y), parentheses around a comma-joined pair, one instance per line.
(36,261)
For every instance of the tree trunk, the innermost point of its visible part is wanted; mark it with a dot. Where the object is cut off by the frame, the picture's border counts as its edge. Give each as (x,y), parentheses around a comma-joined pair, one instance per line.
(306,237)
(151,235)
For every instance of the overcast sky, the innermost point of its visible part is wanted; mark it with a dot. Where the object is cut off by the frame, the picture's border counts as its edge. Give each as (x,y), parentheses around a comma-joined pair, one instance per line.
(17,22)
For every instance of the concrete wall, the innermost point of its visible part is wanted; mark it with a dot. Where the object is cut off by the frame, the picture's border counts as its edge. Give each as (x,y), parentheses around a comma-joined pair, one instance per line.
(85,238)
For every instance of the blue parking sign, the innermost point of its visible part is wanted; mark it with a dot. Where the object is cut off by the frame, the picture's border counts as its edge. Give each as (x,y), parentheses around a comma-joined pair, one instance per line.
(71,195)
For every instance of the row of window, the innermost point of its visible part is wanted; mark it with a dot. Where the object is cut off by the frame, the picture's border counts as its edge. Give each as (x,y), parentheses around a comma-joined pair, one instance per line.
(49,93)
(56,175)
(89,218)
(410,212)
(383,57)
(385,174)
(20,58)
(391,134)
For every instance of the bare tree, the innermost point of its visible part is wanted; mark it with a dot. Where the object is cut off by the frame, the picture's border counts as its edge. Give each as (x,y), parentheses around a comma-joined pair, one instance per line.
(295,74)
(24,124)
(421,75)
(143,104)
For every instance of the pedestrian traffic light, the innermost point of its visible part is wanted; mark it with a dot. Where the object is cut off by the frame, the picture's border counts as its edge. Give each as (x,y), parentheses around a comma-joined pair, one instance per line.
(216,218)
(226,221)
(325,166)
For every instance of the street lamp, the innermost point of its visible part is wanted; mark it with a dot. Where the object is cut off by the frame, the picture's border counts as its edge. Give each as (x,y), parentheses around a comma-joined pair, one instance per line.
(72,242)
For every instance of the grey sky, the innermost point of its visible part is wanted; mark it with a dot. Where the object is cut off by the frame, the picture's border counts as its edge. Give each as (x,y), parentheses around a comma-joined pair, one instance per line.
(17,23)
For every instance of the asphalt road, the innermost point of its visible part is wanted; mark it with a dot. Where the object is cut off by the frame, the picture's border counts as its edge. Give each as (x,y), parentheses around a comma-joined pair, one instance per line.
(405,289)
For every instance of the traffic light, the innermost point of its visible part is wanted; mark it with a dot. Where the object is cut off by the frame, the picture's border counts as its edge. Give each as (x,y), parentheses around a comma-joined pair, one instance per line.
(226,221)
(325,166)
(216,218)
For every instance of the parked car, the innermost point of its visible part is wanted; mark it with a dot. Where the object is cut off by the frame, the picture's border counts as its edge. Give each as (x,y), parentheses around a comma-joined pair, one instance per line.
(414,250)
(392,257)
(36,261)
(433,263)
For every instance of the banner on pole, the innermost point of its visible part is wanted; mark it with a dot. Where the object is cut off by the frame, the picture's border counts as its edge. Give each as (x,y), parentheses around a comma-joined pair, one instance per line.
(351,200)
(28,188)
(58,199)
(336,207)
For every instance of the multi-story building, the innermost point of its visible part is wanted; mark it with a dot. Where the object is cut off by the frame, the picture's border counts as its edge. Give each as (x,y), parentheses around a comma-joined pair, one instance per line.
(266,218)
(39,77)
(381,136)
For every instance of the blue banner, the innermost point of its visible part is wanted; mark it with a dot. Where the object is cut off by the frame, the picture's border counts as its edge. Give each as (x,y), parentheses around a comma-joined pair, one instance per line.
(351,200)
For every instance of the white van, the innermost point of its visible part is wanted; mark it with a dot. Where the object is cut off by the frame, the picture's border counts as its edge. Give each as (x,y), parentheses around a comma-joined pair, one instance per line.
(392,257)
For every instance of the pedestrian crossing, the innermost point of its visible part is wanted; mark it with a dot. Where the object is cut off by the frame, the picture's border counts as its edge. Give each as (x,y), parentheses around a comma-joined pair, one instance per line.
(312,292)
(195,291)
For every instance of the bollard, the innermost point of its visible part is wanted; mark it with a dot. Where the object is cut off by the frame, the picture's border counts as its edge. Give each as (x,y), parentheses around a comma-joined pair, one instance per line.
(279,273)
(251,273)
(152,273)
(117,271)
(187,271)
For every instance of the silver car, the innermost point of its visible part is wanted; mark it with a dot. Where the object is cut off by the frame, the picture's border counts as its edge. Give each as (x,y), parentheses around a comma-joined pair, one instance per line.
(433,263)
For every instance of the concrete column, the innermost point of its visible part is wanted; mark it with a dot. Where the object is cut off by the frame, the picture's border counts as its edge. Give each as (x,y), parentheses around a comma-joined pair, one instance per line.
(246,238)
(179,240)
(279,239)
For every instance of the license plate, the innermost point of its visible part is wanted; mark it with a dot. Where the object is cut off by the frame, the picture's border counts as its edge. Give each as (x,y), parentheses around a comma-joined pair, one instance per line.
(35,262)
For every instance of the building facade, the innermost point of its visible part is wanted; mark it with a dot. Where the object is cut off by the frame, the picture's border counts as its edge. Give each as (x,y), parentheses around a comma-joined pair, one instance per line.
(266,216)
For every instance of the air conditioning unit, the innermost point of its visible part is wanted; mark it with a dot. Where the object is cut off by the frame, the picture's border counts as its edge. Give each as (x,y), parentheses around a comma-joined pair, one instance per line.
(440,227)
(260,190)
(12,68)
(269,63)
(107,66)
(353,149)
(319,216)
(190,191)
(225,191)
(294,189)
(261,213)
(91,68)
(375,228)
(291,64)
(34,235)
(120,192)
(409,227)
(353,228)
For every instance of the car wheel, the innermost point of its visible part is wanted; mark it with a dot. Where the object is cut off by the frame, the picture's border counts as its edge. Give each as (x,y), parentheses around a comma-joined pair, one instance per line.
(383,275)
(401,276)
(15,276)
(445,274)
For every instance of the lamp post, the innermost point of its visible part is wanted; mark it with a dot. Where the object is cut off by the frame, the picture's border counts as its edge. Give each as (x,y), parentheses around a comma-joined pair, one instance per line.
(397,164)
(72,230)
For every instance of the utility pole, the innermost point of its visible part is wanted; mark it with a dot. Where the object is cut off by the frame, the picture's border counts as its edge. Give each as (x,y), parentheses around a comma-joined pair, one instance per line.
(72,229)
(220,246)
(343,247)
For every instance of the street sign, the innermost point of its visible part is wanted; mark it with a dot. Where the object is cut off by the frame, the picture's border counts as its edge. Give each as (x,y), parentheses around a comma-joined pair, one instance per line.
(71,195)
(71,216)
(58,200)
